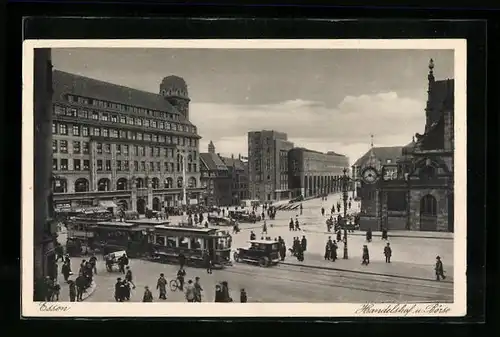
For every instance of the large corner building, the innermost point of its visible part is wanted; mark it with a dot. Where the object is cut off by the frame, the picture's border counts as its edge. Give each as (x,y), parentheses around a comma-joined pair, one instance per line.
(117,145)
(268,165)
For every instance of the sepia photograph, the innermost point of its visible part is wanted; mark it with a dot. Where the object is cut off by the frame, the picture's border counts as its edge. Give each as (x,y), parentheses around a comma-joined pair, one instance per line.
(289,178)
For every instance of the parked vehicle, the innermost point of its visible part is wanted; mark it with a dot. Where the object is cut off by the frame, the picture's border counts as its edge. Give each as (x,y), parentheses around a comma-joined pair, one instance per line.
(220,220)
(244,216)
(263,252)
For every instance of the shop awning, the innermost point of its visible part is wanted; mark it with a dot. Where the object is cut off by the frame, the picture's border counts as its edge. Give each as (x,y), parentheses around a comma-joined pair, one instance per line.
(107,203)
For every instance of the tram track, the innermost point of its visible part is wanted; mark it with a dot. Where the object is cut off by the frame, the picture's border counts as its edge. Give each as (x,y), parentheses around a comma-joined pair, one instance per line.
(421,292)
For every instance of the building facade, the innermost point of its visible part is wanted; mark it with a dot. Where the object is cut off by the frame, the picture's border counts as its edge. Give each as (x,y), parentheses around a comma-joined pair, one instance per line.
(416,191)
(238,171)
(44,231)
(313,173)
(268,165)
(215,179)
(117,145)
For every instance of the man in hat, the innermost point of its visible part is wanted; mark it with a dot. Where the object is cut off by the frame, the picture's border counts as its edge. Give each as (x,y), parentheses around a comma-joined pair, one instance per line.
(439,269)
(161,285)
(366,256)
(388,253)
(148,295)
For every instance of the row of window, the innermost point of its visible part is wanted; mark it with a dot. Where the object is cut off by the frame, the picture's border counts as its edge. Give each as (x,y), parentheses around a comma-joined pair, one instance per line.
(85,131)
(134,150)
(120,107)
(122,119)
(121,165)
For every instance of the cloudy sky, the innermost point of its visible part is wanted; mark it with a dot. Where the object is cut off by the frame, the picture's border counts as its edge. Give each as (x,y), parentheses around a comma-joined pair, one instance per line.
(326,100)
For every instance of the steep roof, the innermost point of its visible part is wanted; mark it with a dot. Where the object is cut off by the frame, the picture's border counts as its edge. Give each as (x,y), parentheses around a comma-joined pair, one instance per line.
(382,154)
(212,162)
(441,98)
(234,162)
(64,82)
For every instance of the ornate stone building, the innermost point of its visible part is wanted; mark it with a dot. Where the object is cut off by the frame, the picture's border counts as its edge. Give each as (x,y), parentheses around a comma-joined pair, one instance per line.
(215,179)
(416,191)
(117,145)
(238,171)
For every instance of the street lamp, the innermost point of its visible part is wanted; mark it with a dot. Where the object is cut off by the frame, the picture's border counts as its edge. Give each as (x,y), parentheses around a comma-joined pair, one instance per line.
(345,179)
(183,178)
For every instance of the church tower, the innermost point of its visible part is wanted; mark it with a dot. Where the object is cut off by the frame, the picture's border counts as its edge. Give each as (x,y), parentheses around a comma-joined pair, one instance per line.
(211,147)
(174,90)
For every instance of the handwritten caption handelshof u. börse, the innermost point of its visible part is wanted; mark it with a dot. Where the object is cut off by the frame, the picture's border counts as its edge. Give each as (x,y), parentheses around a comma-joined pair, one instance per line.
(403,309)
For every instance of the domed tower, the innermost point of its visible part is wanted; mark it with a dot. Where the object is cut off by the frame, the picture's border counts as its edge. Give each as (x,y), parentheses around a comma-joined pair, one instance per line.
(175,91)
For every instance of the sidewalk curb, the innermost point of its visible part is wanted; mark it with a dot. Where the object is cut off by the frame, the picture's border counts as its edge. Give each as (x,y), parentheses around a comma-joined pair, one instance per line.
(89,291)
(391,235)
(361,272)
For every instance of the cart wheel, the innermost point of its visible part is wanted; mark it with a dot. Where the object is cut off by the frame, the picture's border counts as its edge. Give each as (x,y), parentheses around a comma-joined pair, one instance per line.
(264,262)
(236,257)
(173,285)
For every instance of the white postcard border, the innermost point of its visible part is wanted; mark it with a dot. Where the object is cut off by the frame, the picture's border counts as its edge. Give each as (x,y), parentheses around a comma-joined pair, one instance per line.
(84,309)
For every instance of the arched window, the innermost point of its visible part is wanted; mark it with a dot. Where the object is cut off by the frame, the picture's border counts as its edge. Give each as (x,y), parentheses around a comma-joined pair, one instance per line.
(192,182)
(139,183)
(121,184)
(168,183)
(179,182)
(59,185)
(81,185)
(156,204)
(103,184)
(428,205)
(155,183)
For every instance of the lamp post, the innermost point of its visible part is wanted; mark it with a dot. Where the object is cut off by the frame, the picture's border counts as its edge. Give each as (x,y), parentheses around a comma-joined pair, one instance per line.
(345,184)
(183,156)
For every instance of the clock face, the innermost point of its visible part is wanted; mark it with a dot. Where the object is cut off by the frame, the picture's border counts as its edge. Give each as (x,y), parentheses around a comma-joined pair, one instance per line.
(370,175)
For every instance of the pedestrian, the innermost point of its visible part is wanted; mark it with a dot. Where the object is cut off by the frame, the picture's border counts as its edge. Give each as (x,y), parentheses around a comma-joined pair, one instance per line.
(334,251)
(190,292)
(182,260)
(121,264)
(322,211)
(66,271)
(264,227)
(161,285)
(219,295)
(208,261)
(197,289)
(384,234)
(387,253)
(72,291)
(56,290)
(59,250)
(327,251)
(126,289)
(252,235)
(93,263)
(180,276)
(300,208)
(128,277)
(366,256)
(439,269)
(81,282)
(303,243)
(297,225)
(369,235)
(290,225)
(243,296)
(119,293)
(339,235)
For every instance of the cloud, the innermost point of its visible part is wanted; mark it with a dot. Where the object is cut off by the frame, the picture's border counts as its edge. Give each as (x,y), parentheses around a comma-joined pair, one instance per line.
(345,129)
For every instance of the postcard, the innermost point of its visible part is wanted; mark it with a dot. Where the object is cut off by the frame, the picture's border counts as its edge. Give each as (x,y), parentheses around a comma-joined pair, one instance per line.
(244,178)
